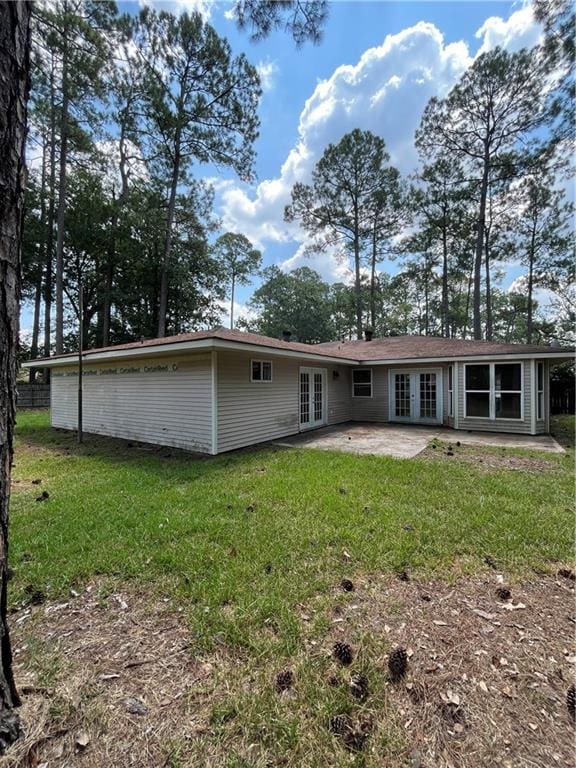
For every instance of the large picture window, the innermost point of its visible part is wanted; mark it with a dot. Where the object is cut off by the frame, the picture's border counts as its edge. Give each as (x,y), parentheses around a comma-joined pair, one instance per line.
(493,391)
(362,382)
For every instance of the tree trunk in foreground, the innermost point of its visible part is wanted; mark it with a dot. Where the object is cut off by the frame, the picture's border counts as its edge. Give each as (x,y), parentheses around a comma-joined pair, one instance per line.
(14,85)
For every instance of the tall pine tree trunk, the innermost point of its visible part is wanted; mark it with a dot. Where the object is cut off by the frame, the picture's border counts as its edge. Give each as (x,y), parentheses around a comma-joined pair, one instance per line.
(38,287)
(61,218)
(489,329)
(14,76)
(357,282)
(50,227)
(232,300)
(373,281)
(479,249)
(530,310)
(163,299)
(445,302)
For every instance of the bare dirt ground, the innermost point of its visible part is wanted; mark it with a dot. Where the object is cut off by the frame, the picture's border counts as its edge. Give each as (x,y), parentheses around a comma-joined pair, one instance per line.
(111,678)
(489,460)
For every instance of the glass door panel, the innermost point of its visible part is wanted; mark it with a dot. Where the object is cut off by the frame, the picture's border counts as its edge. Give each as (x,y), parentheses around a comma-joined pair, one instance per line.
(402,398)
(304,398)
(428,396)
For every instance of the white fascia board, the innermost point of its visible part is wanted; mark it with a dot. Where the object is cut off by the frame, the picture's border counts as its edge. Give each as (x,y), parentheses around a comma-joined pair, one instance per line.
(473,358)
(182,348)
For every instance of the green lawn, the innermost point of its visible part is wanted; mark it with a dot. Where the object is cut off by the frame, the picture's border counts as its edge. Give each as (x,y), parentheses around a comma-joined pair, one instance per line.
(242,538)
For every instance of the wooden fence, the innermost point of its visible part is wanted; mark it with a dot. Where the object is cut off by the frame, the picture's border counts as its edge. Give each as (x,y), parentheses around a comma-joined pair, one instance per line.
(32,395)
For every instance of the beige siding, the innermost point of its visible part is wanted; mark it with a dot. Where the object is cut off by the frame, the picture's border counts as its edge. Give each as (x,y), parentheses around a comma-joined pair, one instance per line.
(165,401)
(339,394)
(373,408)
(498,425)
(254,412)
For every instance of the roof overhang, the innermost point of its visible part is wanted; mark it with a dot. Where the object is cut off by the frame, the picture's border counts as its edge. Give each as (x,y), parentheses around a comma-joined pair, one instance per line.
(208,345)
(182,347)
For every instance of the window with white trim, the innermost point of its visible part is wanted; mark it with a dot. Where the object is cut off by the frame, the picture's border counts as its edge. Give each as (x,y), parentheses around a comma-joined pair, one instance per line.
(477,396)
(450,390)
(540,391)
(508,391)
(362,382)
(493,390)
(261,370)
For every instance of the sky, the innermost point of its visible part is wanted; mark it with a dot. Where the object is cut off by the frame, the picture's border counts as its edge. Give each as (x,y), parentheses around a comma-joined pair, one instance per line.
(376,68)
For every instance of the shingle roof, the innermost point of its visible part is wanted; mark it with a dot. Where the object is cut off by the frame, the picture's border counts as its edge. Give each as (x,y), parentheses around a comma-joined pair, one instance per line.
(408,347)
(386,348)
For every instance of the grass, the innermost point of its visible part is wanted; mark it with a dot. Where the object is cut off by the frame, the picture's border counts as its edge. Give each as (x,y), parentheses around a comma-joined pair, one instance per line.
(241,539)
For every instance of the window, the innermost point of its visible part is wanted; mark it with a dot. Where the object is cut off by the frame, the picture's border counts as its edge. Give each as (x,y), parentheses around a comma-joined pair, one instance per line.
(362,382)
(261,370)
(493,391)
(450,390)
(540,392)
(478,391)
(508,391)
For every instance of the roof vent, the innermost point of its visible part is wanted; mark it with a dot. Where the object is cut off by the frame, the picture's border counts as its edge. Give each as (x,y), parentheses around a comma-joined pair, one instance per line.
(286,335)
(368,334)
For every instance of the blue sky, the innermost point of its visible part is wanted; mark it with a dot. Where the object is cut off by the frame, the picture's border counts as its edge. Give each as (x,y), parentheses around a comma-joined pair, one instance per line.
(376,68)
(378,65)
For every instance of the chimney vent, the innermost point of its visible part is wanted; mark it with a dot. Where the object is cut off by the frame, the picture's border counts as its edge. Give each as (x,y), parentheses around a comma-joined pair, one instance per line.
(286,335)
(368,334)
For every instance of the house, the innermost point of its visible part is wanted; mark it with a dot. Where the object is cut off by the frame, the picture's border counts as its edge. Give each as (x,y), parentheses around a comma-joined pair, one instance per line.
(215,391)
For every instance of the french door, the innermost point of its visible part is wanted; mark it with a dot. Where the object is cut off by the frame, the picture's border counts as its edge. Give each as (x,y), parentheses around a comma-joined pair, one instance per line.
(312,397)
(416,396)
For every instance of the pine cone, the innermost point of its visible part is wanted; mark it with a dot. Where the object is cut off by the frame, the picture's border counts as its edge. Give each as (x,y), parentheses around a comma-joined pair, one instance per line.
(397,664)
(340,724)
(354,738)
(503,593)
(403,575)
(359,686)
(347,585)
(571,701)
(343,652)
(284,680)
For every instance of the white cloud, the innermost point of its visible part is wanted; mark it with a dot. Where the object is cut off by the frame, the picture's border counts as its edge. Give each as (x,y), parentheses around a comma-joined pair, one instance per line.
(520,30)
(332,265)
(204,7)
(385,92)
(267,71)
(241,312)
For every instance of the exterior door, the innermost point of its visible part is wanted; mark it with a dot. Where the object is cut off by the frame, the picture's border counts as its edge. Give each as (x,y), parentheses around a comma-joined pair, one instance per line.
(312,397)
(416,396)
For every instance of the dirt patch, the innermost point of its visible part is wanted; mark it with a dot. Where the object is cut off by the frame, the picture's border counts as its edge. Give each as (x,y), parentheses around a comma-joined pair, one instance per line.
(112,678)
(487,460)
(487,677)
(105,681)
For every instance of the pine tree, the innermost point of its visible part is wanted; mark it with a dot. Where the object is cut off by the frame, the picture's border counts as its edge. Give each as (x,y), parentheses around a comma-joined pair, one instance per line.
(485,123)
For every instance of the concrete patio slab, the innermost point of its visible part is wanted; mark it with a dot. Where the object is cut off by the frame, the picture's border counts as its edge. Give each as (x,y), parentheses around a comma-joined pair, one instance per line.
(405,441)
(500,440)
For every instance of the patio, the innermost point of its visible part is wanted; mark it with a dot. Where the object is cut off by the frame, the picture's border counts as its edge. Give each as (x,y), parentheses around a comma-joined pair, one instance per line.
(406,441)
